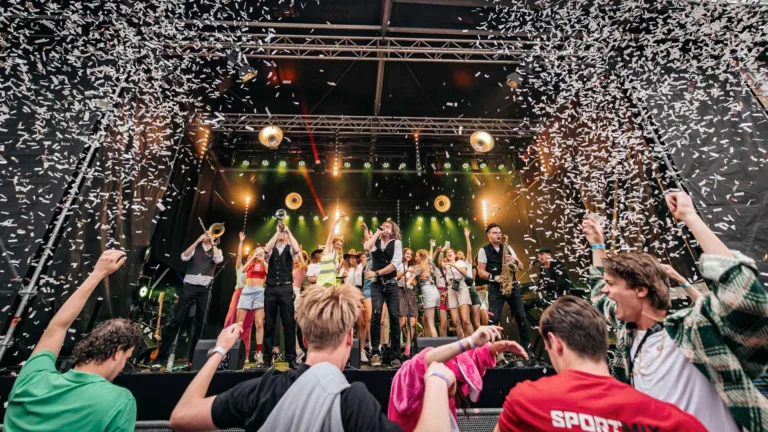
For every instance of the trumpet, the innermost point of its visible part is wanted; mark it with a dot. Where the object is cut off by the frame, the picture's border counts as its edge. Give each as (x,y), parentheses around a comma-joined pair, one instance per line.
(214,231)
(280,215)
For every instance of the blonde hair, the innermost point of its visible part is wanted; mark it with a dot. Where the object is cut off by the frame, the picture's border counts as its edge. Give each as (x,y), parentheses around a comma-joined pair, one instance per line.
(426,270)
(326,314)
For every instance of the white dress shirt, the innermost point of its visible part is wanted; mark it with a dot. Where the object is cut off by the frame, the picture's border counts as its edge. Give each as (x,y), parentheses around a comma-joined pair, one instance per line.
(397,256)
(481,258)
(199,279)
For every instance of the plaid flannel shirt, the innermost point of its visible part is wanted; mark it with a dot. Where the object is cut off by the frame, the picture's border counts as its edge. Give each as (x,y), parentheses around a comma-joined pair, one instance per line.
(724,334)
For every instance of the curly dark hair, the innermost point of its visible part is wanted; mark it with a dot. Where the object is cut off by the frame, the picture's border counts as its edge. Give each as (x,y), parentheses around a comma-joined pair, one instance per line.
(105,340)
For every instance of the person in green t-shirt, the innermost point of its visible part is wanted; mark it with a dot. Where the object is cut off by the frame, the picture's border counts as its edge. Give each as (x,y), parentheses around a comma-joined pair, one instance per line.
(83,399)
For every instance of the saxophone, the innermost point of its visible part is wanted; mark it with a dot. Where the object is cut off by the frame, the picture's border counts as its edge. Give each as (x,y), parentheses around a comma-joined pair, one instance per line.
(508,270)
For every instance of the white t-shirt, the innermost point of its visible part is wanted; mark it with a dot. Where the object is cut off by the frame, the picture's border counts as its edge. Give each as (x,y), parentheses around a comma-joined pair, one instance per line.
(672,378)
(313,269)
(240,278)
(481,258)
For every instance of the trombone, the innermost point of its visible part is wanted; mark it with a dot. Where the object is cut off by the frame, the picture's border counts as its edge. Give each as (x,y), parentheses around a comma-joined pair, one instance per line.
(214,231)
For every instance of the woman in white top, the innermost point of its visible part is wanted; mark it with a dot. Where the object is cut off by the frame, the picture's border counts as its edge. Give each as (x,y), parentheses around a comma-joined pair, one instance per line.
(459,301)
(424,275)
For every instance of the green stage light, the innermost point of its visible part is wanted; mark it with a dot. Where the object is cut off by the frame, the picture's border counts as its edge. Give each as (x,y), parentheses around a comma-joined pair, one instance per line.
(359,218)
(447,219)
(245,164)
(434,219)
(317,218)
(447,165)
(367,165)
(501,166)
(375,218)
(385,165)
(483,165)
(421,219)
(301,218)
(265,163)
(283,164)
(465,165)
(347,164)
(402,166)
(302,163)
(143,291)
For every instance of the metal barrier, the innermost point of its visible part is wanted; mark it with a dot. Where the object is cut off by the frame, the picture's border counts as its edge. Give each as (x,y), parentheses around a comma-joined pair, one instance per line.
(478,420)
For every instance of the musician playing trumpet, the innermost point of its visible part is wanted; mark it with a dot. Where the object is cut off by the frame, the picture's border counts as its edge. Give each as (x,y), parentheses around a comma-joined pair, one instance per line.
(201,257)
(490,271)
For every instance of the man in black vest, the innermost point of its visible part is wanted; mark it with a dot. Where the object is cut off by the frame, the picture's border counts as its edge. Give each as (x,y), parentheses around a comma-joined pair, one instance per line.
(386,255)
(553,276)
(201,259)
(489,271)
(278,294)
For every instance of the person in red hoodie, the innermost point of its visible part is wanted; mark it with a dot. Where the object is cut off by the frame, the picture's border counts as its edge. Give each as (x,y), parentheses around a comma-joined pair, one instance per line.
(467,359)
(583,396)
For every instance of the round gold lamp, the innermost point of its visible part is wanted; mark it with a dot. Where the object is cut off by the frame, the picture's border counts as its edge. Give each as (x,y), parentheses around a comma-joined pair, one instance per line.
(481,141)
(442,203)
(271,136)
(293,201)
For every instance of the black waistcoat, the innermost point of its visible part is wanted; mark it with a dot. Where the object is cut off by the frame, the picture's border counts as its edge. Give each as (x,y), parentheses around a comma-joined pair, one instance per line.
(280,266)
(201,262)
(382,258)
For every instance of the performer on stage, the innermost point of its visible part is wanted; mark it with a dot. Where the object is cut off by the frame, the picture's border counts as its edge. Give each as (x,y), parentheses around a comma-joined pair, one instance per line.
(232,313)
(489,261)
(459,300)
(424,276)
(278,295)
(313,270)
(202,257)
(252,297)
(552,274)
(409,309)
(330,263)
(386,254)
(441,288)
(299,276)
(473,295)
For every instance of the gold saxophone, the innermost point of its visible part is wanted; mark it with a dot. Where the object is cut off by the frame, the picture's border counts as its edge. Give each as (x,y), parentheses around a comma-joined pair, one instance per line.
(508,269)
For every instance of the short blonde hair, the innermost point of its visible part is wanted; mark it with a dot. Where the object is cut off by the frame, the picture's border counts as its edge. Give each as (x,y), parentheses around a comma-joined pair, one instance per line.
(326,314)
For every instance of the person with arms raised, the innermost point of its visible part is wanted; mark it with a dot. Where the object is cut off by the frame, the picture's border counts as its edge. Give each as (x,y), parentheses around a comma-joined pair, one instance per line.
(702,358)
(583,396)
(43,399)
(314,397)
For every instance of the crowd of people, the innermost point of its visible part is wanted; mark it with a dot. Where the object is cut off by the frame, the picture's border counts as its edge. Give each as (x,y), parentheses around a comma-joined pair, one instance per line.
(689,370)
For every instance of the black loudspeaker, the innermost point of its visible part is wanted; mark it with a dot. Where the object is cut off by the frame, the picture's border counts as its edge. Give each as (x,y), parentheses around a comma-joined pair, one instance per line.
(424,342)
(354,355)
(235,359)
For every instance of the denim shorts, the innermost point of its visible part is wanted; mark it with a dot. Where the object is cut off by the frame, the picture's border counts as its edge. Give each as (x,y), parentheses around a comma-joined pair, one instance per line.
(251,298)
(367,289)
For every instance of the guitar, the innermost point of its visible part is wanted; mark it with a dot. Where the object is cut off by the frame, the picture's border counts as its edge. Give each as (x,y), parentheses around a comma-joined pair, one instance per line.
(155,353)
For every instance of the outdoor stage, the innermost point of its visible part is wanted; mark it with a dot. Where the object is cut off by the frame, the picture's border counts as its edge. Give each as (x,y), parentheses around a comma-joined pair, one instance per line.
(157,393)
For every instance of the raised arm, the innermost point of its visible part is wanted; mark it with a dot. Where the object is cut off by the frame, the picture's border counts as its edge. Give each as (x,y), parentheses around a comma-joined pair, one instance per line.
(469,244)
(295,247)
(187,254)
(690,291)
(594,233)
(738,304)
(193,412)
(439,385)
(271,243)
(329,241)
(239,258)
(56,331)
(371,242)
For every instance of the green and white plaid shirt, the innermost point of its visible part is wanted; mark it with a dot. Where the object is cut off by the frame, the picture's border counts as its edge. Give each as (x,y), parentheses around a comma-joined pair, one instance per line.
(724,334)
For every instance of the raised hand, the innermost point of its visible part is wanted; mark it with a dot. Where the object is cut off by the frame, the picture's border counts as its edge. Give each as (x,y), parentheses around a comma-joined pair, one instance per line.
(466,232)
(242,236)
(593,230)
(673,274)
(109,262)
(681,206)
(486,334)
(229,336)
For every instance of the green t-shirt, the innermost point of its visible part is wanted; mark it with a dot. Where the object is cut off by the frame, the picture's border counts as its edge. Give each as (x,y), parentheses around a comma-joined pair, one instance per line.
(44,399)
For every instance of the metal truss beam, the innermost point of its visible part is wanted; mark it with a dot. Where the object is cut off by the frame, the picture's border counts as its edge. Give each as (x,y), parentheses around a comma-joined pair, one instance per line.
(369,48)
(365,125)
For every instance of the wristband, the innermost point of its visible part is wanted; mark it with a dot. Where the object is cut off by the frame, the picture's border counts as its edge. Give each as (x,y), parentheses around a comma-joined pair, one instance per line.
(598,246)
(441,376)
(470,343)
(685,285)
(461,346)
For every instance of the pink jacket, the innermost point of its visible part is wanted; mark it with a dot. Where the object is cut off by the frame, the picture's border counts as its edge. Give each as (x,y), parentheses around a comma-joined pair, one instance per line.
(407,393)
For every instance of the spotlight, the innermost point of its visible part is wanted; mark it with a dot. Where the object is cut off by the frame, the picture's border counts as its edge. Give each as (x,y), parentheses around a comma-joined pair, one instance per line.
(245,164)
(385,165)
(481,141)
(402,166)
(265,163)
(143,291)
(367,165)
(375,218)
(360,218)
(483,165)
(434,219)
(293,201)
(301,218)
(421,219)
(442,203)
(501,166)
(465,165)
(316,218)
(302,163)
(271,136)
(347,165)
(447,165)
(447,219)
(283,164)
(319,167)
(514,80)
(246,73)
